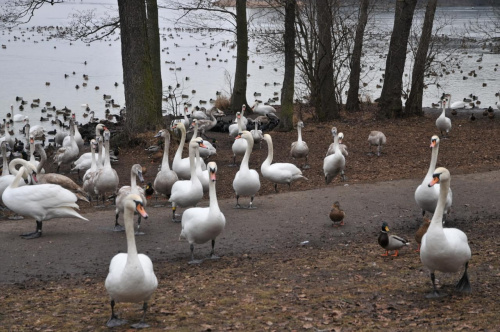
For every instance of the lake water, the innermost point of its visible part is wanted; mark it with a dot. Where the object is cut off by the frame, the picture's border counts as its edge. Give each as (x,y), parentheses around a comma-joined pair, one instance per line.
(33,66)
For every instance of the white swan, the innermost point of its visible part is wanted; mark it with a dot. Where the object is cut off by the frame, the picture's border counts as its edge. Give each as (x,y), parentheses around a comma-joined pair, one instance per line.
(209,149)
(78,136)
(246,181)
(498,102)
(9,139)
(257,134)
(124,191)
(106,180)
(181,166)
(187,192)
(444,249)
(84,162)
(443,123)
(239,146)
(41,202)
(165,178)
(201,174)
(131,277)
(7,178)
(456,105)
(278,173)
(200,225)
(32,158)
(299,148)
(334,163)
(198,114)
(264,109)
(343,147)
(68,153)
(378,139)
(89,176)
(425,196)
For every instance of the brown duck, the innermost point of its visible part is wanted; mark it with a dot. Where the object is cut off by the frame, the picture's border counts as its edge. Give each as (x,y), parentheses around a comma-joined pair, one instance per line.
(337,214)
(421,231)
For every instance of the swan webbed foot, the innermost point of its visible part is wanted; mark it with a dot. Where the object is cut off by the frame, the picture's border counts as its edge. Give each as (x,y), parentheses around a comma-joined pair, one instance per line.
(434,295)
(463,284)
(138,232)
(118,228)
(140,325)
(214,257)
(251,207)
(195,261)
(176,220)
(115,321)
(238,206)
(30,236)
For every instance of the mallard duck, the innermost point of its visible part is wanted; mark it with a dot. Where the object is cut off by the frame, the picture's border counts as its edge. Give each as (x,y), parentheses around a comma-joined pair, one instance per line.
(337,214)
(390,242)
(421,231)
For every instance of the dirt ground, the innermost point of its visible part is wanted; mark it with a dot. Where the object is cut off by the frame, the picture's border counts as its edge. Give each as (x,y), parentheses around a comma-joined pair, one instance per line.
(283,266)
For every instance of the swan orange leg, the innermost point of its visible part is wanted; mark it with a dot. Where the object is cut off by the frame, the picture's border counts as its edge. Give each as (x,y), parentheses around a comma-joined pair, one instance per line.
(418,249)
(386,253)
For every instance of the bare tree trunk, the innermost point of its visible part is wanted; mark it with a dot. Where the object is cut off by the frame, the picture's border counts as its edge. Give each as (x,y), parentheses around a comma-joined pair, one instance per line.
(240,76)
(287,92)
(414,102)
(141,113)
(352,103)
(327,108)
(155,51)
(390,104)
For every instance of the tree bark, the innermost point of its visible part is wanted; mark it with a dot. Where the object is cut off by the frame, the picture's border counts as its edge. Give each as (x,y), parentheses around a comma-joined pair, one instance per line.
(287,93)
(390,104)
(155,51)
(141,114)
(326,108)
(414,102)
(352,103)
(240,76)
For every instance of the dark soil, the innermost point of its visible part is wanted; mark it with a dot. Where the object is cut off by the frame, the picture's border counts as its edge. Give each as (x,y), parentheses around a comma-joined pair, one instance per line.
(283,265)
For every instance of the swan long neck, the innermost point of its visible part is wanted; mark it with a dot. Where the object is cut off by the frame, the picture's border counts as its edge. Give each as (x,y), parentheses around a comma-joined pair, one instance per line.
(299,130)
(198,159)
(132,257)
(133,181)
(5,169)
(432,166)
(246,157)
(107,162)
(178,153)
(192,165)
(240,124)
(99,156)
(214,204)
(195,130)
(336,146)
(19,174)
(93,165)
(164,163)
(43,158)
(270,152)
(437,218)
